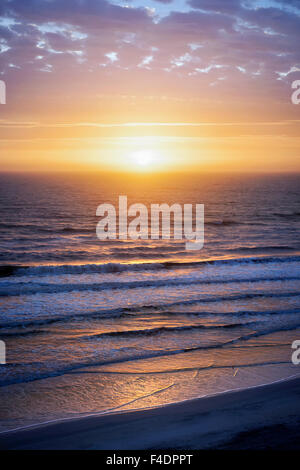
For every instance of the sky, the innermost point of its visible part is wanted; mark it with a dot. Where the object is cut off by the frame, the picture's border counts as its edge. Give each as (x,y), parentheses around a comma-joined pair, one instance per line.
(149,85)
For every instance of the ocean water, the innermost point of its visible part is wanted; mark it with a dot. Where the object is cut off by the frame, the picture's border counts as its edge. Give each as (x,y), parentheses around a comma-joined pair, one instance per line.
(98,326)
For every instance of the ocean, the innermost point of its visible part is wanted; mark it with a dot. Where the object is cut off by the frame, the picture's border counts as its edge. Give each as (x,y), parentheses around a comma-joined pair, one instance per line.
(96,326)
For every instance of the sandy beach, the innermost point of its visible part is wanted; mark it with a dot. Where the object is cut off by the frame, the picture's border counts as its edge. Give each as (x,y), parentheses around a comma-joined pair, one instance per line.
(265,417)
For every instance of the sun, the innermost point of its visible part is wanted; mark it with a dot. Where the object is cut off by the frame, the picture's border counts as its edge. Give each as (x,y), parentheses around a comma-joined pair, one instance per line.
(144,158)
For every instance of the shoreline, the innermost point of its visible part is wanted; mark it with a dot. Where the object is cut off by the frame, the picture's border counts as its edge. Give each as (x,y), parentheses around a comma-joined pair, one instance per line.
(228,419)
(116,410)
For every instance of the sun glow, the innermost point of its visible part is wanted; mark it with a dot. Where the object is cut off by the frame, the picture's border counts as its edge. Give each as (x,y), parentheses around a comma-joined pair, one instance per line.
(144,158)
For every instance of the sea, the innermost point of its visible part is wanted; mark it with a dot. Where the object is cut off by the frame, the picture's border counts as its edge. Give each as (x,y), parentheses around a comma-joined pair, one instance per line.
(99,326)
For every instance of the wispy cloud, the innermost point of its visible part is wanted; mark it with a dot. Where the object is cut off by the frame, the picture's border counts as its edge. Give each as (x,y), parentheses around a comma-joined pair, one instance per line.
(24,124)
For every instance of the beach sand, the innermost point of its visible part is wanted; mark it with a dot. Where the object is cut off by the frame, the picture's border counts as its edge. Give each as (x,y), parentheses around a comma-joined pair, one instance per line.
(264,417)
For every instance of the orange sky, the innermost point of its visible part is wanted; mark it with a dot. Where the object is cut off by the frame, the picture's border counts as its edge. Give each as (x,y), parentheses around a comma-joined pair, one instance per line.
(160,86)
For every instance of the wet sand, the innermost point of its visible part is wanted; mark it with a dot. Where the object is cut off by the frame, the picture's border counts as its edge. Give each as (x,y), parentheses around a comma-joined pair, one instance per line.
(264,417)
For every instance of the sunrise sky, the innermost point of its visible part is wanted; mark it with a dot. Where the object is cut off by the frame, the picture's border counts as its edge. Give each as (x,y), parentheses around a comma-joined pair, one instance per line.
(144,85)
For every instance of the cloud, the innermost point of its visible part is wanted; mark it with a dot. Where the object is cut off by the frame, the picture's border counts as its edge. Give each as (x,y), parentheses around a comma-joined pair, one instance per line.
(164,1)
(102,47)
(221,6)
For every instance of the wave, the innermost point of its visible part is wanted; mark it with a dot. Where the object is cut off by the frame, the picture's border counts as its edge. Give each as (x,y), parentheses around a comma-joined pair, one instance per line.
(7,290)
(289,215)
(15,334)
(128,333)
(38,375)
(163,329)
(263,249)
(222,222)
(46,270)
(232,313)
(157,308)
(47,229)
(182,369)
